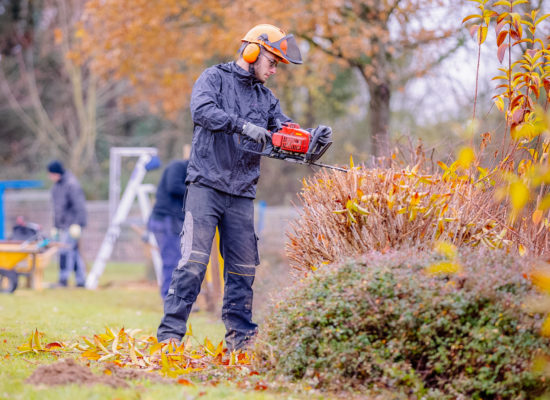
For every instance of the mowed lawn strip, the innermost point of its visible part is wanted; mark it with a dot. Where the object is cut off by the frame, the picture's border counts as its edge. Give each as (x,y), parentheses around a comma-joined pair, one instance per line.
(68,314)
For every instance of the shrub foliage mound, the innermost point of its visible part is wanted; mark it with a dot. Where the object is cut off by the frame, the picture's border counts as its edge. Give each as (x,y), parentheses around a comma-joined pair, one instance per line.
(382,322)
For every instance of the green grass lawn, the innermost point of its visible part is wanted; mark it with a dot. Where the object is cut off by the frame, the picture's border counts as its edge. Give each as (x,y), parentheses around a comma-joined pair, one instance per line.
(67,314)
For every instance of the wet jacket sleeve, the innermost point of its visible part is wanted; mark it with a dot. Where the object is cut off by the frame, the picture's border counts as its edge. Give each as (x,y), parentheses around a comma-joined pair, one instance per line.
(175,178)
(205,107)
(78,200)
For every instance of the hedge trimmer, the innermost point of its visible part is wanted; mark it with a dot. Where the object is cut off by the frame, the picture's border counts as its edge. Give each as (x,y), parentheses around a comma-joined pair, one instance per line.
(293,144)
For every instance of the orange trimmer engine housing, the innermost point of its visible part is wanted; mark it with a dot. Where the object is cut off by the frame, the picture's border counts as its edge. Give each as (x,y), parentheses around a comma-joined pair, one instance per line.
(291,139)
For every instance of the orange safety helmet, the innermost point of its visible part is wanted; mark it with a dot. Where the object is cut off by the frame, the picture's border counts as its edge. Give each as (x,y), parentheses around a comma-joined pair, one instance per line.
(273,40)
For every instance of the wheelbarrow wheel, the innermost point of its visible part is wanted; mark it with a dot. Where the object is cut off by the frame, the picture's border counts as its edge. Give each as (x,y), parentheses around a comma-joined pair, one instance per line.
(8,280)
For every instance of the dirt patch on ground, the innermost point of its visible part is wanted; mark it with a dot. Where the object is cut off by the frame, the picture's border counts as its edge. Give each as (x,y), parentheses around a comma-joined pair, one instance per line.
(68,371)
(134,374)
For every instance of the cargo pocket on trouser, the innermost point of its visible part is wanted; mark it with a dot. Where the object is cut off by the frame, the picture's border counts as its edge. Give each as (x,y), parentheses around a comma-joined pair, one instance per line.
(186,239)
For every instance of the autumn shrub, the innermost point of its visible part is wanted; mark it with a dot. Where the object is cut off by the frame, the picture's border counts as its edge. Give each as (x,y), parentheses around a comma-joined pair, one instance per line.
(348,214)
(380,321)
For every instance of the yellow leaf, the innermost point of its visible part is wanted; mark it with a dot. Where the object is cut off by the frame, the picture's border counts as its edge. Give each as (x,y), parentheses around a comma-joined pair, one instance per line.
(106,357)
(97,341)
(79,34)
(91,355)
(444,267)
(466,156)
(209,346)
(545,202)
(351,165)
(155,348)
(445,248)
(133,355)
(521,250)
(37,345)
(190,331)
(541,279)
(58,35)
(545,328)
(499,102)
(537,217)
(219,349)
(519,195)
(164,362)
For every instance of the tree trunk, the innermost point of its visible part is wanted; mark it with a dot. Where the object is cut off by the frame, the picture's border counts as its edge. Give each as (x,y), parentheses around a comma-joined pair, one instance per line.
(379,114)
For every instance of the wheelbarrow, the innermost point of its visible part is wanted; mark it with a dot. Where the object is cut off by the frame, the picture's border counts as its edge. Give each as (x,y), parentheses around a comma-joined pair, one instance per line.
(12,256)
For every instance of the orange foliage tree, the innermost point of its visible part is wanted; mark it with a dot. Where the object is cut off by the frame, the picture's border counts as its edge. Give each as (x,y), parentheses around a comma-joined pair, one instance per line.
(387,41)
(160,46)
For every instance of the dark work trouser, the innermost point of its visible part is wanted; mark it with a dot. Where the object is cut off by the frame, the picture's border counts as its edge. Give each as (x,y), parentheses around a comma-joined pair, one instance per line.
(206,208)
(168,241)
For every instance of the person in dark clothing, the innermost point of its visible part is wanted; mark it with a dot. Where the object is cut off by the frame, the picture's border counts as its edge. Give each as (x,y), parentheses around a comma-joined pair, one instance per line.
(232,112)
(69,217)
(166,221)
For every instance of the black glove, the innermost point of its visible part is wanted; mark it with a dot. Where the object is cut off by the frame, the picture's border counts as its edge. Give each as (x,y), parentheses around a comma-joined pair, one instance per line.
(323,134)
(255,132)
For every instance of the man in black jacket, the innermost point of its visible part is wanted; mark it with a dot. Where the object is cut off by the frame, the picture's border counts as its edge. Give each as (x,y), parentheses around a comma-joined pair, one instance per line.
(69,217)
(232,112)
(166,221)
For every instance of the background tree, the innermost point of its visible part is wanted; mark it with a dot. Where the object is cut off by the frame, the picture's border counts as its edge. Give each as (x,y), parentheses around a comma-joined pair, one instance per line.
(162,61)
(56,100)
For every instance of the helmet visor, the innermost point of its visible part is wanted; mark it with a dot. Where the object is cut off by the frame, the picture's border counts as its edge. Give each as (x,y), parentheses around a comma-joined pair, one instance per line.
(286,48)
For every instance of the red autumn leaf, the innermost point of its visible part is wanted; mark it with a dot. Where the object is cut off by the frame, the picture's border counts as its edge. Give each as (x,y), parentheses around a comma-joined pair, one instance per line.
(515,35)
(473,30)
(185,382)
(502,18)
(253,373)
(260,386)
(535,89)
(501,37)
(499,26)
(517,116)
(501,51)
(53,345)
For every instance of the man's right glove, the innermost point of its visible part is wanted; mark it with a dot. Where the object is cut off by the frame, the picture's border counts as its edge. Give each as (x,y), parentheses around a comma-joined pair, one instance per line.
(255,132)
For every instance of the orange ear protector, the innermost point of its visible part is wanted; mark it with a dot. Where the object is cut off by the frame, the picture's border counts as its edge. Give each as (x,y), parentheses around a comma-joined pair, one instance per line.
(251,53)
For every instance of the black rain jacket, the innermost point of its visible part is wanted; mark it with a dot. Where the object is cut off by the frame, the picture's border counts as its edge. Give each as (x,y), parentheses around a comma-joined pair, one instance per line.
(68,201)
(224,98)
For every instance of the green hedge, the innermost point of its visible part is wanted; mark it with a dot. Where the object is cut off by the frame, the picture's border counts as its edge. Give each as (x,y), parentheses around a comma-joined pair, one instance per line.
(382,322)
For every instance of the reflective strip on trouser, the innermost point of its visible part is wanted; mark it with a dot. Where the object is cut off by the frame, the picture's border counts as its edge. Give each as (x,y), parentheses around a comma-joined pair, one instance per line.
(205,209)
